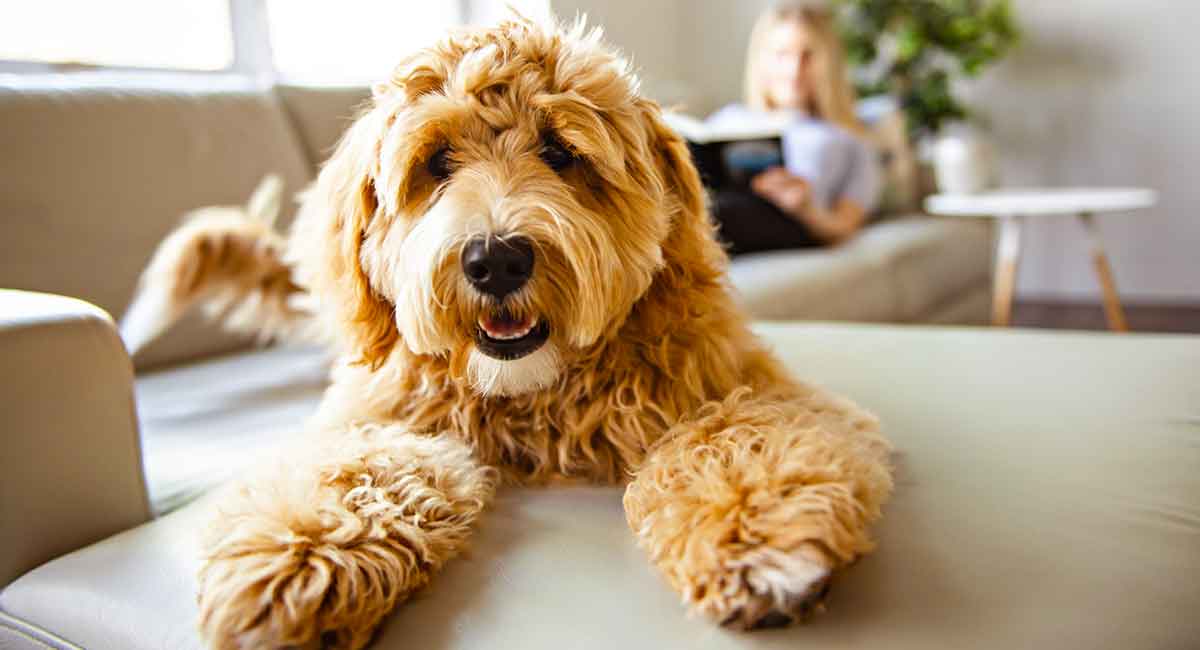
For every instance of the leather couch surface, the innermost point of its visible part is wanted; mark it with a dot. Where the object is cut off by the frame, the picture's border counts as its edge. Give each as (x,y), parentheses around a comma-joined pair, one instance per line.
(70,472)
(1047,496)
(204,422)
(95,173)
(320,115)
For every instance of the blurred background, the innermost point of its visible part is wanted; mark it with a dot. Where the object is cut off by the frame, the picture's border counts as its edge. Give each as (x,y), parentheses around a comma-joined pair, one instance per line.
(1093,93)
(1067,93)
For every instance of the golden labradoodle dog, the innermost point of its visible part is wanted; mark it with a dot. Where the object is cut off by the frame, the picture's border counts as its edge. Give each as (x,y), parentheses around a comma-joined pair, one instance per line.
(510,253)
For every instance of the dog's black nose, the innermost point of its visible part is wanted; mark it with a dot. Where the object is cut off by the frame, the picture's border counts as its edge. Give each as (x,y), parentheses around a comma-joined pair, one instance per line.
(498,266)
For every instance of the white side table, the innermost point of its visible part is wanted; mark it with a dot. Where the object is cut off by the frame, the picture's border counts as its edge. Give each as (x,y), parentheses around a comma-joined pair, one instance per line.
(1012,207)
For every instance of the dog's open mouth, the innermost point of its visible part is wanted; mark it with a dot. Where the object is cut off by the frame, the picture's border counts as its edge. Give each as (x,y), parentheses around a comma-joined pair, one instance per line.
(502,335)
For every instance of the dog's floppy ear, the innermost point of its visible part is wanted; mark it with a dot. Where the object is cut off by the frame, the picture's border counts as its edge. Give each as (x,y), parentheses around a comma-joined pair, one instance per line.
(675,162)
(343,203)
(691,245)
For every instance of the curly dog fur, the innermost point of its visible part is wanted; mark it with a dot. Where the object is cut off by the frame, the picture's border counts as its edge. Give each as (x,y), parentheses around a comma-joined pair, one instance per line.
(746,488)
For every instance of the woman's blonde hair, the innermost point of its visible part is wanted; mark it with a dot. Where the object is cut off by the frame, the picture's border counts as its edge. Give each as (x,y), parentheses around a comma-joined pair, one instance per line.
(834,99)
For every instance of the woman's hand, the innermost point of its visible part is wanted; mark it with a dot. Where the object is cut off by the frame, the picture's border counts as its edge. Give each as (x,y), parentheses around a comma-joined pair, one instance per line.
(793,195)
(788,192)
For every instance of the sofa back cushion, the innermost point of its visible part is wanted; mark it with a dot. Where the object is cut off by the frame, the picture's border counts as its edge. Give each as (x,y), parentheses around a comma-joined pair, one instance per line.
(95,172)
(321,115)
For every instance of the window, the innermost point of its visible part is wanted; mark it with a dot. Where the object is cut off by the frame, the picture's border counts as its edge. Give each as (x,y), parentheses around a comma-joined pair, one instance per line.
(192,35)
(360,41)
(352,41)
(297,41)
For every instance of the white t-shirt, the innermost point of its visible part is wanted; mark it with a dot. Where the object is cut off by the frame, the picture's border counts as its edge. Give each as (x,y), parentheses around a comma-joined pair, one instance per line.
(834,162)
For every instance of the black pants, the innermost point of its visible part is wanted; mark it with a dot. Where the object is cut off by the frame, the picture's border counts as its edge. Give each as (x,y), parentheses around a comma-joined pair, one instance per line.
(748,223)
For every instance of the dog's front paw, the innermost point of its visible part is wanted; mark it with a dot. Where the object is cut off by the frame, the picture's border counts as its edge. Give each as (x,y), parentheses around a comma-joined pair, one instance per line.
(764,587)
(322,546)
(293,595)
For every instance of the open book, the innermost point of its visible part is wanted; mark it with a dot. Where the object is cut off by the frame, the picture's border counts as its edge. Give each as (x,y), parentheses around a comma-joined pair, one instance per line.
(728,157)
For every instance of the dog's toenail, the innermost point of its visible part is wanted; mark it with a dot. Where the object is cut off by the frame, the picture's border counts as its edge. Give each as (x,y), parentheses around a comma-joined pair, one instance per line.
(824,590)
(773,618)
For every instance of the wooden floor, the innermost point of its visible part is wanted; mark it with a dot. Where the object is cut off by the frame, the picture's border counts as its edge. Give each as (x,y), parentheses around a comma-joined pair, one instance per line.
(1083,316)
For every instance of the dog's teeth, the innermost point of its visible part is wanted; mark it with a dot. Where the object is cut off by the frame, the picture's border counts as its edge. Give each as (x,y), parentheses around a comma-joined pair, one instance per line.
(507,336)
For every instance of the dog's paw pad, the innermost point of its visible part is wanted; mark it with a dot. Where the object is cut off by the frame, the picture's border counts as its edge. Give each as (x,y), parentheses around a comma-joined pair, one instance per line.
(784,589)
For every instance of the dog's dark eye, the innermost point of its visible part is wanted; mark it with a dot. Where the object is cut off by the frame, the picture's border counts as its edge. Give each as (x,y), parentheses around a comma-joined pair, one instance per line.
(556,155)
(439,164)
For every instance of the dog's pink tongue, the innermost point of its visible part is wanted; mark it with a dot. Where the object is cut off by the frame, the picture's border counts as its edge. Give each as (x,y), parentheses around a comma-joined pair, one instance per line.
(505,324)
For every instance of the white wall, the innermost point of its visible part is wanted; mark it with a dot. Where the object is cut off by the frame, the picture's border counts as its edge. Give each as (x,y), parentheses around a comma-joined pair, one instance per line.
(649,32)
(1105,92)
(1100,92)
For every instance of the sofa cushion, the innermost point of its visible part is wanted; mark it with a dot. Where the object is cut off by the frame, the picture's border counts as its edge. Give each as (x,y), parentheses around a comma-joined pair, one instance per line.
(815,284)
(895,270)
(1046,497)
(205,422)
(320,115)
(70,472)
(97,170)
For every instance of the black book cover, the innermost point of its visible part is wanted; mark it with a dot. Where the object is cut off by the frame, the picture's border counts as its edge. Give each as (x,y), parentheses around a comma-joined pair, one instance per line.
(728,158)
(730,164)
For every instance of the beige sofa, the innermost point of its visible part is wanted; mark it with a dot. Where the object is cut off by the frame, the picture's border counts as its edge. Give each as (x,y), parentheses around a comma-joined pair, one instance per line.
(93,173)
(1047,497)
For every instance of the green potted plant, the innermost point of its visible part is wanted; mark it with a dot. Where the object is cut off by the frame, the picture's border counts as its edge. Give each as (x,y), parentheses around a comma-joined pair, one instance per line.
(914,49)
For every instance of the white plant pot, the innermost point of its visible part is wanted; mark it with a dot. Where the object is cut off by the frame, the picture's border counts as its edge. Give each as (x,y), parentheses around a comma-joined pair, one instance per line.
(963,162)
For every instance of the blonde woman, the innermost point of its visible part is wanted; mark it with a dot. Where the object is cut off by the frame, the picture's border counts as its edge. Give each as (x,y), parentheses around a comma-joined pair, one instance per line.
(830,179)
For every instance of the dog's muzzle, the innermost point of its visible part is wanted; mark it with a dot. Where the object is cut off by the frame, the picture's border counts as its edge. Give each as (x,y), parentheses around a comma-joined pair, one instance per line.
(497,267)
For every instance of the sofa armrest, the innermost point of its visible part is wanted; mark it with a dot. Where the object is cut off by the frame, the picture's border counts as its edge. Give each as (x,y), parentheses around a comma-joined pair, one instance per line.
(71,467)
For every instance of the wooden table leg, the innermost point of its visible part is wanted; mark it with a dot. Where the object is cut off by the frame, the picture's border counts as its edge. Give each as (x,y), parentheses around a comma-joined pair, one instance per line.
(1112,302)
(1008,253)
